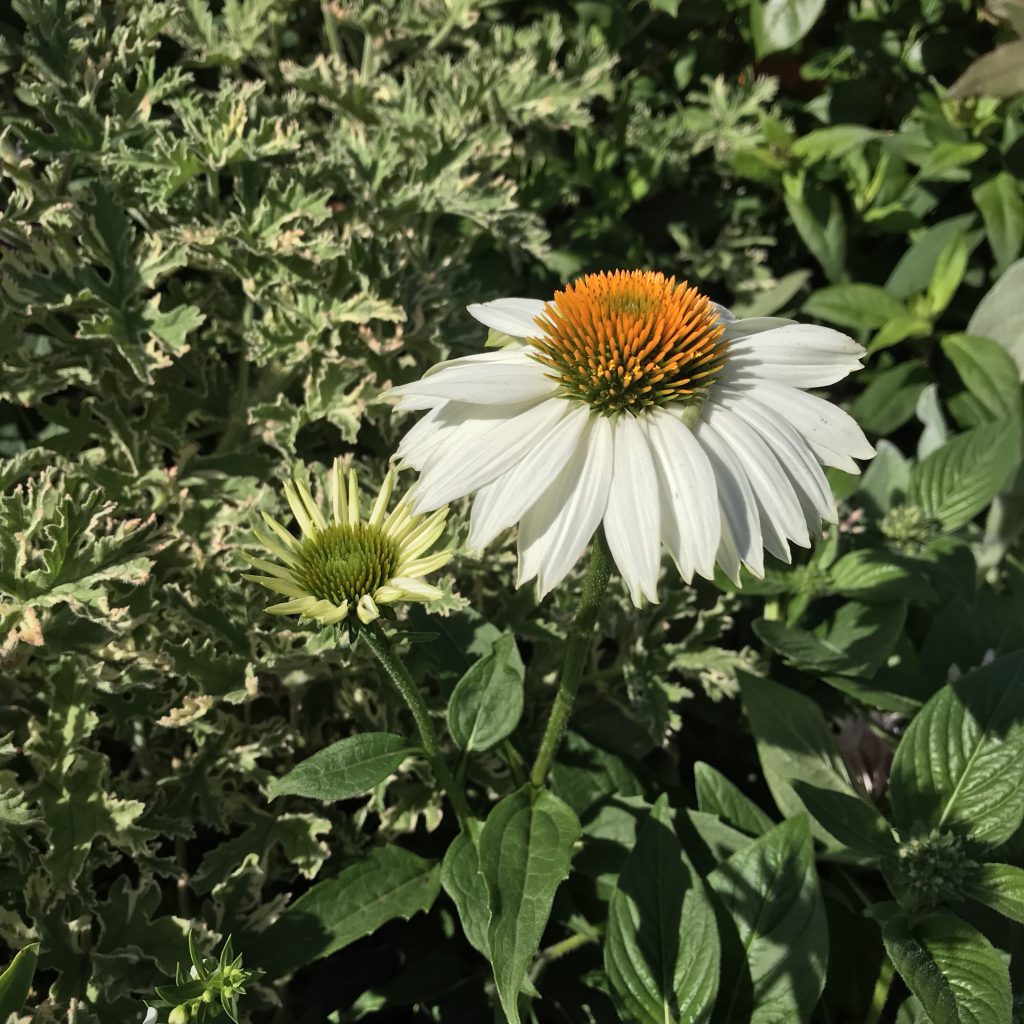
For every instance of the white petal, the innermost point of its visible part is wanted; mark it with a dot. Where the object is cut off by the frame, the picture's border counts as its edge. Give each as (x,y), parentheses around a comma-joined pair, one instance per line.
(796,458)
(737,329)
(782,517)
(736,499)
(725,316)
(824,426)
(800,355)
(485,384)
(632,520)
(482,449)
(510,354)
(503,502)
(690,518)
(367,610)
(556,530)
(510,316)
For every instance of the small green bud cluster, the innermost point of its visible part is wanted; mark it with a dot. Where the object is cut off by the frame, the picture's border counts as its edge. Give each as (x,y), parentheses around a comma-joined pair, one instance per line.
(935,866)
(206,990)
(909,527)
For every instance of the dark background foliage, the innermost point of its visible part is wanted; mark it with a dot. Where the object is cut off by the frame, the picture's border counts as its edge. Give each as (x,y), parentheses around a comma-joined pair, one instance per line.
(227,227)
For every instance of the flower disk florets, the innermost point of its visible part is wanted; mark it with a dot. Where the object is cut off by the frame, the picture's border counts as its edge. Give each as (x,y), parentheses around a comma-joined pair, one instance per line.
(344,563)
(935,866)
(630,340)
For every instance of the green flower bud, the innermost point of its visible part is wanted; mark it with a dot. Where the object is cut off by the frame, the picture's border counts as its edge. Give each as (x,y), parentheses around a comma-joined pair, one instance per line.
(909,527)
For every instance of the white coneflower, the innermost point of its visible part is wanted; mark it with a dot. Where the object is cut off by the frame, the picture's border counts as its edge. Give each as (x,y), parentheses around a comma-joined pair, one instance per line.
(341,564)
(636,402)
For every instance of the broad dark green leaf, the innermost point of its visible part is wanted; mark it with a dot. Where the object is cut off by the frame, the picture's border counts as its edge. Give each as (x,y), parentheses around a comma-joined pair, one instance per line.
(955,482)
(661,946)
(461,878)
(960,764)
(834,142)
(718,795)
(952,969)
(891,397)
(818,217)
(770,891)
(487,703)
(873,574)
(854,305)
(1002,208)
(16,981)
(988,372)
(794,743)
(1000,886)
(916,267)
(525,849)
(853,821)
(390,882)
(781,24)
(346,768)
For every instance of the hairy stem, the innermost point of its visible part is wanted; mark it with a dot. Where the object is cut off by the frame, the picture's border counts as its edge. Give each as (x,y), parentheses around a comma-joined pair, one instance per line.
(578,642)
(399,675)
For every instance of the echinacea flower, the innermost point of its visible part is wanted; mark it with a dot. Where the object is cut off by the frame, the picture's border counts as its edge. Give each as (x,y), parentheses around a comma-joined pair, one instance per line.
(342,564)
(635,402)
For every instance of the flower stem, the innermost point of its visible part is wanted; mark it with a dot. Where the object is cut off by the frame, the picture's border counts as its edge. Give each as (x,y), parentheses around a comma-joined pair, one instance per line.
(399,674)
(581,635)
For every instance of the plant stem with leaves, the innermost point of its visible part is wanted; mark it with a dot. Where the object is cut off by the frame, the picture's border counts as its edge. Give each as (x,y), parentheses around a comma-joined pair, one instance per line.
(389,658)
(581,635)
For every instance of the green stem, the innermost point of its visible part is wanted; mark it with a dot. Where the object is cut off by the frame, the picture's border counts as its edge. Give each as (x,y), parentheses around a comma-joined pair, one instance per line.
(395,668)
(578,643)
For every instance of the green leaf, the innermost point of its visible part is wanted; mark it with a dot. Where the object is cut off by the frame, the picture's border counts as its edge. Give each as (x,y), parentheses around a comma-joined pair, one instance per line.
(891,397)
(960,765)
(818,217)
(718,795)
(1000,314)
(999,886)
(853,821)
(16,981)
(988,373)
(661,947)
(770,890)
(461,878)
(998,73)
(833,142)
(955,482)
(873,574)
(346,768)
(949,272)
(952,969)
(794,743)
(854,305)
(391,882)
(1002,210)
(525,849)
(916,267)
(487,703)
(781,24)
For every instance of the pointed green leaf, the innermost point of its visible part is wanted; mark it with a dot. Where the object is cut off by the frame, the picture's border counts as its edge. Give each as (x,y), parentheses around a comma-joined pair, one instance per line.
(16,981)
(853,821)
(391,882)
(345,769)
(794,743)
(988,373)
(487,703)
(661,947)
(461,879)
(718,795)
(952,969)
(999,886)
(770,890)
(960,764)
(525,849)
(955,482)
(1002,209)
(781,24)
